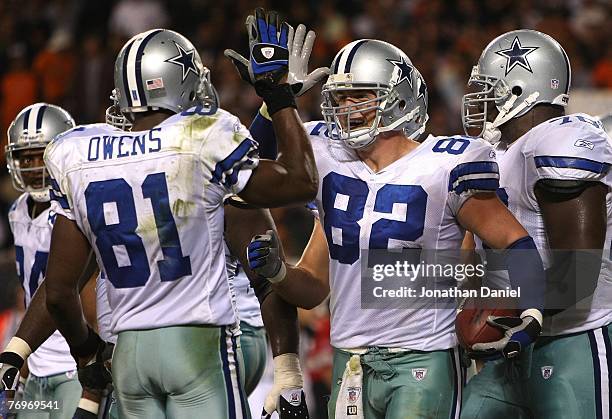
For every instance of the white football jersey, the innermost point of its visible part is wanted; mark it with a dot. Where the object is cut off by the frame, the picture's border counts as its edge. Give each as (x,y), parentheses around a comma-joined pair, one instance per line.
(151,205)
(103,310)
(247,304)
(572,147)
(411,203)
(32,240)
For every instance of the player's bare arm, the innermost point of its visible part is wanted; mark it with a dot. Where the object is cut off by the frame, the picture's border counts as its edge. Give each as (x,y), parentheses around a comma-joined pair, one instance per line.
(64,269)
(307,283)
(500,230)
(279,316)
(293,177)
(575,223)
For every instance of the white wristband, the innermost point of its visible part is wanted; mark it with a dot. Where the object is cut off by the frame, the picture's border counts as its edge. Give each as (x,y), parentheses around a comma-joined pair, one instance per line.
(89,405)
(19,346)
(287,371)
(280,275)
(533,312)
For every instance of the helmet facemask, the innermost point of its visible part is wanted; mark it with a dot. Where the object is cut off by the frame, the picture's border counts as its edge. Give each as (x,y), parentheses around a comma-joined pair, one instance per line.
(339,116)
(476,109)
(26,178)
(115,117)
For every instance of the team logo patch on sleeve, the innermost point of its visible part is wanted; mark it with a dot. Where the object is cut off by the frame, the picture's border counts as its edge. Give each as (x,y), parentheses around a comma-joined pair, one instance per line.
(419,373)
(547,371)
(584,143)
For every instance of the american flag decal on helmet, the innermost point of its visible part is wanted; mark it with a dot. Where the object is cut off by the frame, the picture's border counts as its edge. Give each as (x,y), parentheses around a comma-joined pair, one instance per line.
(153,84)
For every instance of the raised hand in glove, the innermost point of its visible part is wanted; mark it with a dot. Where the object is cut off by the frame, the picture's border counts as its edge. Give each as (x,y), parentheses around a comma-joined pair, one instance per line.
(519,332)
(268,51)
(300,48)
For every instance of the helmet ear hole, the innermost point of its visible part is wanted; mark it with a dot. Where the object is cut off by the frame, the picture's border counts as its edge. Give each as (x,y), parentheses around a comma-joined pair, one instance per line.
(517,91)
(402,105)
(192,95)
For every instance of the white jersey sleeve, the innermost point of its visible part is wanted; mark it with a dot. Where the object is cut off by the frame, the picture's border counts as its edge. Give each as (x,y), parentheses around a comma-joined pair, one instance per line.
(475,170)
(55,157)
(230,154)
(571,148)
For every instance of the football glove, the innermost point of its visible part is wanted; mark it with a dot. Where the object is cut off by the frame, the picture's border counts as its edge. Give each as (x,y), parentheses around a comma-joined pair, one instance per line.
(300,48)
(10,364)
(264,258)
(286,396)
(269,54)
(93,368)
(519,332)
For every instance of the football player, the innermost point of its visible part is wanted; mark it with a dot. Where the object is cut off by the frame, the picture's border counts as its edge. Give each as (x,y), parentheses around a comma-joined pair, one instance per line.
(381,189)
(554,177)
(145,201)
(52,369)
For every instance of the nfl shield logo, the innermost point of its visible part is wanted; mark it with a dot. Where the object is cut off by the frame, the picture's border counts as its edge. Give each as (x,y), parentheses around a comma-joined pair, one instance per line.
(554,84)
(294,398)
(267,52)
(547,372)
(353,394)
(419,373)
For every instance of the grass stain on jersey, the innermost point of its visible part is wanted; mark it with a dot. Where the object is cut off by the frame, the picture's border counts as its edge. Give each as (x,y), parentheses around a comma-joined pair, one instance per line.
(182,208)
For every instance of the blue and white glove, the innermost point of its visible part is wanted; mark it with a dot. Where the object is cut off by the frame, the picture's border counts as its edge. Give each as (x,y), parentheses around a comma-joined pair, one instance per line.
(264,258)
(519,333)
(268,51)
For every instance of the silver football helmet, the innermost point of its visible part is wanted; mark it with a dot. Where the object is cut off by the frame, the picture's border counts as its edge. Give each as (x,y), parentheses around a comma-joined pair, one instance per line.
(158,69)
(34,128)
(400,92)
(606,121)
(515,72)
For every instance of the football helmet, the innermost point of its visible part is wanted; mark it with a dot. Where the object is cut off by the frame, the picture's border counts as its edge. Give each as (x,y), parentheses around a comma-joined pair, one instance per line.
(34,128)
(400,92)
(515,72)
(158,69)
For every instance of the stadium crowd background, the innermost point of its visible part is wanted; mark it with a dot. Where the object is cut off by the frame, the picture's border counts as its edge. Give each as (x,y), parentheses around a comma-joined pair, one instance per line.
(62,52)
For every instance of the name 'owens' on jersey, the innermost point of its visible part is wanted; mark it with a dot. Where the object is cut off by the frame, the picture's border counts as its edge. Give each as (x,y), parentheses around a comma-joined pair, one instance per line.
(151,205)
(575,149)
(411,203)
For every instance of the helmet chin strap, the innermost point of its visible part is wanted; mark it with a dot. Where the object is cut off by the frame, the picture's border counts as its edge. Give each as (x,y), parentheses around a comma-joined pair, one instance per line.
(491,133)
(40,196)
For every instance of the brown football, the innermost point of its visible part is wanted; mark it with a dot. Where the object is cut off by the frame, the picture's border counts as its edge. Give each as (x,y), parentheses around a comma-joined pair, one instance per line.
(471,322)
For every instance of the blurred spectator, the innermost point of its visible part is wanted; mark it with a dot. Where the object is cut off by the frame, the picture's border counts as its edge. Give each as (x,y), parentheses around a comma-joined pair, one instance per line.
(55,68)
(94,76)
(18,88)
(130,17)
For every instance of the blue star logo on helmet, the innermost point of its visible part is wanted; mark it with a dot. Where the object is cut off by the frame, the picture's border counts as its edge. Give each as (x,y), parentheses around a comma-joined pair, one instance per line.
(405,70)
(185,59)
(516,55)
(422,90)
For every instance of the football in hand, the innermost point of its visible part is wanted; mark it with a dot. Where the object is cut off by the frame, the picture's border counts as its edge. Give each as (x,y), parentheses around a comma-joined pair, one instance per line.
(471,322)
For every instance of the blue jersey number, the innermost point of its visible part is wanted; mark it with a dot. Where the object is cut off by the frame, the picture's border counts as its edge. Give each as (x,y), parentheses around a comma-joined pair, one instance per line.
(344,200)
(122,250)
(451,145)
(36,272)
